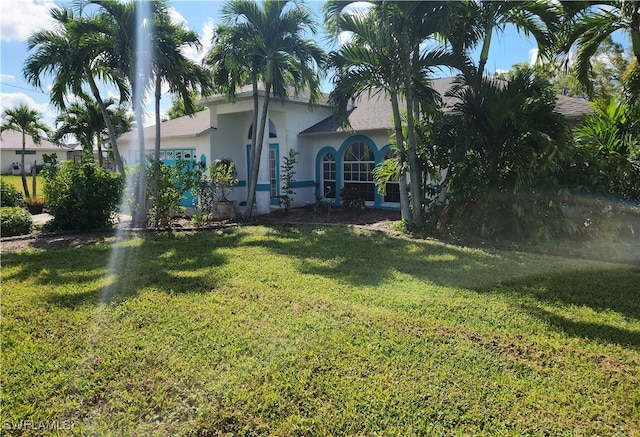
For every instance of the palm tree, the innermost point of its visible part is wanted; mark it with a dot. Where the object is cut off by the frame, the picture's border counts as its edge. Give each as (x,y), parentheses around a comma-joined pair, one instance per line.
(28,122)
(131,51)
(273,39)
(398,31)
(591,23)
(368,63)
(76,53)
(479,19)
(84,121)
(170,66)
(507,141)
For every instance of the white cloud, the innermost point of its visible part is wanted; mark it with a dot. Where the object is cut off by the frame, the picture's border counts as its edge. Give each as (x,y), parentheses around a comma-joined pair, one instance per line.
(533,56)
(7,77)
(176,17)
(19,19)
(206,35)
(12,100)
(344,38)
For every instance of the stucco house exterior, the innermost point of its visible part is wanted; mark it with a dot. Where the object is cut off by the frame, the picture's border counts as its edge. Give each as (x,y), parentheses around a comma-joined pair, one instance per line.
(329,157)
(11,150)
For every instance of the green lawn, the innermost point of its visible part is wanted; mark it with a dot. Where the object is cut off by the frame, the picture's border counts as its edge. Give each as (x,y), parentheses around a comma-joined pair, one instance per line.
(316,331)
(16,181)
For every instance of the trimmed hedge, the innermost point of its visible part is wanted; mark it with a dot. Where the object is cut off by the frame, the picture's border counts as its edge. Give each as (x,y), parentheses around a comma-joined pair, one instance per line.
(15,221)
(82,196)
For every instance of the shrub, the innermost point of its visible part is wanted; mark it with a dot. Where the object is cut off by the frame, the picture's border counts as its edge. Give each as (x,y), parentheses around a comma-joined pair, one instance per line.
(10,196)
(167,186)
(82,196)
(15,221)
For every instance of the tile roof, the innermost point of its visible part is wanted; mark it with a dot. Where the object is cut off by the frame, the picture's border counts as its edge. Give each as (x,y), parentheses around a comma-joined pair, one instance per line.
(178,127)
(12,140)
(375,113)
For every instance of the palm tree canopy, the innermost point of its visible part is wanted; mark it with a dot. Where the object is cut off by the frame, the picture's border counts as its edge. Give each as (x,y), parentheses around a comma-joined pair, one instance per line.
(272,35)
(591,23)
(76,46)
(26,120)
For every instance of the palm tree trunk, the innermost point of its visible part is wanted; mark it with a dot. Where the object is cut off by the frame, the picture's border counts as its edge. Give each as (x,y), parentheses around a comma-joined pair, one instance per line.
(158,96)
(140,218)
(107,121)
(255,166)
(414,167)
(254,137)
(25,186)
(156,150)
(484,54)
(635,33)
(402,156)
(99,150)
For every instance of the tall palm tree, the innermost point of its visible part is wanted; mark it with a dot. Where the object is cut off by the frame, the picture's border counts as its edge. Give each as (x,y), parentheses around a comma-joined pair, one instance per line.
(76,52)
(28,122)
(591,23)
(131,50)
(368,63)
(281,56)
(170,66)
(398,33)
(235,63)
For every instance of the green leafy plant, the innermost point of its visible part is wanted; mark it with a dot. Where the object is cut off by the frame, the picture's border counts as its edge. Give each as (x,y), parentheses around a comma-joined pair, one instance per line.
(171,183)
(224,176)
(288,172)
(9,195)
(15,221)
(82,196)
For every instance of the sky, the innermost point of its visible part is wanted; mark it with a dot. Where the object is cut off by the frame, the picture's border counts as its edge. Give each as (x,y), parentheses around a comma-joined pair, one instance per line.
(20,18)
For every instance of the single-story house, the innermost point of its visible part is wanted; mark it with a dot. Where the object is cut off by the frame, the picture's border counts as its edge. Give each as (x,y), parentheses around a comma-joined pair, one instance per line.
(330,157)
(11,149)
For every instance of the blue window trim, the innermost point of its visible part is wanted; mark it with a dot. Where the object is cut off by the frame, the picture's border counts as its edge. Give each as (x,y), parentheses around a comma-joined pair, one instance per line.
(318,181)
(380,203)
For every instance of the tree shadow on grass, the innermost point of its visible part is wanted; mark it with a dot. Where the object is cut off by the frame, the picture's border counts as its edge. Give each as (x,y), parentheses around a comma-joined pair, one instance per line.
(594,331)
(123,269)
(370,258)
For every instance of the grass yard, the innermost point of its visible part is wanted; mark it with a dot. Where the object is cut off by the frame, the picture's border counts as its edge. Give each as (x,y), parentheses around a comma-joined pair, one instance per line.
(316,331)
(16,181)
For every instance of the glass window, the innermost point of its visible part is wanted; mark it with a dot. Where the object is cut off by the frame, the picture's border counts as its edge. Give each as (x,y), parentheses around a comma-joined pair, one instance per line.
(273,168)
(272,131)
(328,189)
(358,170)
(393,188)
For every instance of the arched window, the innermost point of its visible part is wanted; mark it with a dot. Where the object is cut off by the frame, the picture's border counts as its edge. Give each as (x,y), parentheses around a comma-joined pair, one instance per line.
(328,188)
(393,188)
(272,131)
(358,170)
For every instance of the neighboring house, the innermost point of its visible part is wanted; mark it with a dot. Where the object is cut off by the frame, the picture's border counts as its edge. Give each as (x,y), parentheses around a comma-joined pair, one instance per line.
(11,147)
(75,155)
(330,157)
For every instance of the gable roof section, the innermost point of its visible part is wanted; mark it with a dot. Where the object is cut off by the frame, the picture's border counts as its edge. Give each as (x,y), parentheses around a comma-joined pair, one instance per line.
(12,140)
(184,126)
(375,113)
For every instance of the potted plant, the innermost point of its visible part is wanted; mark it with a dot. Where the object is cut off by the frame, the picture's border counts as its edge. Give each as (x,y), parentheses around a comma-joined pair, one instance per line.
(35,204)
(224,177)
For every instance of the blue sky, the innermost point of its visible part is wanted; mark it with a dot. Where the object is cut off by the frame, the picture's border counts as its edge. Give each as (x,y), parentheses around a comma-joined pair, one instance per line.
(19,18)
